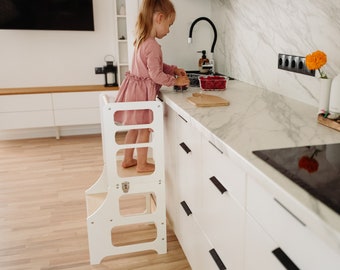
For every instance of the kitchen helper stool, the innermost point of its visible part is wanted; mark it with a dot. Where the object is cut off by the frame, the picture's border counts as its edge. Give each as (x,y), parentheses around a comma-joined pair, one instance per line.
(106,216)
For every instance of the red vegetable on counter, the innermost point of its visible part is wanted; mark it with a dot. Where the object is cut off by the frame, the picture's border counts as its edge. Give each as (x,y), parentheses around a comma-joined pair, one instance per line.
(213,82)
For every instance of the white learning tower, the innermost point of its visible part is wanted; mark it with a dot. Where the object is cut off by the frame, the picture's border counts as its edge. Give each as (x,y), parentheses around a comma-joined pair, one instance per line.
(109,199)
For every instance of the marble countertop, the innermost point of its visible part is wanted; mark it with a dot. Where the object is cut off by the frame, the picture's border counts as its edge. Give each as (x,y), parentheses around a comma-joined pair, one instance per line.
(258,119)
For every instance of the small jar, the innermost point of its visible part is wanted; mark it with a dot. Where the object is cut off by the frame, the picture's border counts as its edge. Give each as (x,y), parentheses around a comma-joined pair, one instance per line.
(122,10)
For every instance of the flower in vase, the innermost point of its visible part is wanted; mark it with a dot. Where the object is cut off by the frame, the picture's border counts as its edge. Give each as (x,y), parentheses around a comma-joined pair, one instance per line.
(317,60)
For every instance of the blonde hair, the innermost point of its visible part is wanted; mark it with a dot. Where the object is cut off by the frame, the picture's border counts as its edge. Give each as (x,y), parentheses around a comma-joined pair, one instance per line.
(145,18)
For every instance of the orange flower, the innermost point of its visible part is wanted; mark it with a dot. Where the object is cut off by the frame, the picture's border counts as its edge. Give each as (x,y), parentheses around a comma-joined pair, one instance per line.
(316,60)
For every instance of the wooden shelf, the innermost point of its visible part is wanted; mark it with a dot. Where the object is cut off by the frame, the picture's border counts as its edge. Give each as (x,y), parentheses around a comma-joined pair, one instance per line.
(55,89)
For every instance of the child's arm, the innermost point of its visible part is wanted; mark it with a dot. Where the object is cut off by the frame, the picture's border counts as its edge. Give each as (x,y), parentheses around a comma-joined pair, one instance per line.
(169,69)
(160,72)
(173,70)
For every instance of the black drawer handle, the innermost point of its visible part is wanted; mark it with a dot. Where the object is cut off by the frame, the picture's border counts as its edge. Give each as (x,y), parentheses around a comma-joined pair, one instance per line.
(285,208)
(186,208)
(218,184)
(185,147)
(217,259)
(218,149)
(183,118)
(284,259)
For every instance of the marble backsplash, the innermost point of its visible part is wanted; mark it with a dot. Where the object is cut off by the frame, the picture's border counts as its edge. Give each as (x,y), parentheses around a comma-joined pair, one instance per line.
(251,34)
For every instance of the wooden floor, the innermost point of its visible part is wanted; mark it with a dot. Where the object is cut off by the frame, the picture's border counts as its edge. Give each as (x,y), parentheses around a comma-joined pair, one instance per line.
(43,212)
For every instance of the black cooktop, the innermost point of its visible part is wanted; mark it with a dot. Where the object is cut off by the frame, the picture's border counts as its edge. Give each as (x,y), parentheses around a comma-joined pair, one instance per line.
(315,168)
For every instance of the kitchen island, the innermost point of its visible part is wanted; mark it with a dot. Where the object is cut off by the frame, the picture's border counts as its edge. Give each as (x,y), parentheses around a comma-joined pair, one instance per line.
(256,119)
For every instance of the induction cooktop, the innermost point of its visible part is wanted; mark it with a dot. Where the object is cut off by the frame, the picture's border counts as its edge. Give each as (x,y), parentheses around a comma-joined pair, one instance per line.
(315,168)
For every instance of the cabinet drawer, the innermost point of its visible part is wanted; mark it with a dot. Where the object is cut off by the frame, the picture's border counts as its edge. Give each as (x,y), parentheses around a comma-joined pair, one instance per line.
(259,248)
(22,103)
(188,176)
(77,117)
(32,119)
(188,162)
(223,168)
(305,248)
(75,100)
(183,128)
(222,219)
(170,164)
(198,250)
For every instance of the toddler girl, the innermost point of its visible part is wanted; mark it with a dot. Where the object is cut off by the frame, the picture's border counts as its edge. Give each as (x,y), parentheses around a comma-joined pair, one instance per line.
(148,73)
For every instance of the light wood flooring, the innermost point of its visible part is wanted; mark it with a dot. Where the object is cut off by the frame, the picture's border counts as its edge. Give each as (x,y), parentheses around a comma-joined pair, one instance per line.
(43,211)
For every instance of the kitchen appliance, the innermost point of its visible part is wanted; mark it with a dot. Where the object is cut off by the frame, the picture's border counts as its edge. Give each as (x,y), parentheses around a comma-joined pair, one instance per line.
(314,168)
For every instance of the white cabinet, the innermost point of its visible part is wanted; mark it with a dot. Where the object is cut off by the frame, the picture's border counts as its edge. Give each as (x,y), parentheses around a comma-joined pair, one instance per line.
(189,161)
(171,165)
(201,236)
(209,225)
(80,108)
(221,204)
(51,109)
(26,111)
(182,152)
(290,232)
(259,247)
(218,208)
(193,241)
(182,167)
(218,164)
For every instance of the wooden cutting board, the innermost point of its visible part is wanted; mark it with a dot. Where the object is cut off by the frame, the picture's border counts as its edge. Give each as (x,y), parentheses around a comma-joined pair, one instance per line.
(334,124)
(204,100)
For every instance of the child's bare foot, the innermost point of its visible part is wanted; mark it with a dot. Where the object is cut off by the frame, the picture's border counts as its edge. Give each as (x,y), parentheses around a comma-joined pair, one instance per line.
(129,163)
(148,167)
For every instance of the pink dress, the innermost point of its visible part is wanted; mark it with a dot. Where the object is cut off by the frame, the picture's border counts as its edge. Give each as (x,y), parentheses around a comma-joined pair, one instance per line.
(143,82)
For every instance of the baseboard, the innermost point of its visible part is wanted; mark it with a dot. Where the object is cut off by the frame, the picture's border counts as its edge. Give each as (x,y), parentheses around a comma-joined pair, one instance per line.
(49,132)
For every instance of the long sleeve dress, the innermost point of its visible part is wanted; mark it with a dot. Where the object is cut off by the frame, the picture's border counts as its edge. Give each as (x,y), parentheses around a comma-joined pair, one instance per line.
(148,73)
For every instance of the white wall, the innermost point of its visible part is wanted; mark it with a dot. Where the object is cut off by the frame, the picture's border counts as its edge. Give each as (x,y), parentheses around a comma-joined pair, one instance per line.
(175,47)
(53,58)
(252,33)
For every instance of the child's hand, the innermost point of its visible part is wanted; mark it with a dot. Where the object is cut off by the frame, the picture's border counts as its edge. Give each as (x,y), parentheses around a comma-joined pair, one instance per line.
(180,72)
(182,81)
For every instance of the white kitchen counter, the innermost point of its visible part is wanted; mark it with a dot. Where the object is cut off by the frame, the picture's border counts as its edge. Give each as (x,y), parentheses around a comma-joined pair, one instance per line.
(258,119)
